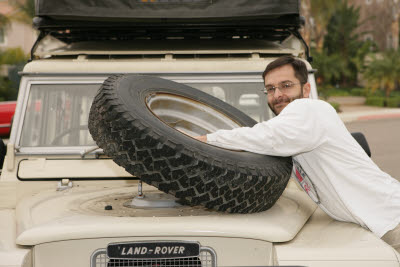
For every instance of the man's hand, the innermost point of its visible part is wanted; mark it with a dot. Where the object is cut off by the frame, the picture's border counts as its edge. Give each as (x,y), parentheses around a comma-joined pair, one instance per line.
(202,138)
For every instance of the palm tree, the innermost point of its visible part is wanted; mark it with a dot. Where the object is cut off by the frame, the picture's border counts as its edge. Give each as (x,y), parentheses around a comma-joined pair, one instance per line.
(384,72)
(343,38)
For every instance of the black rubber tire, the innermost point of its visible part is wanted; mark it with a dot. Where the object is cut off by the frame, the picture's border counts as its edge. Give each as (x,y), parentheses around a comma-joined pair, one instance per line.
(362,141)
(197,173)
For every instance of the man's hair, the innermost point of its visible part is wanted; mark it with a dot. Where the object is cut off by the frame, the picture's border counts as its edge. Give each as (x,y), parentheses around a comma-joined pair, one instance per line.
(300,68)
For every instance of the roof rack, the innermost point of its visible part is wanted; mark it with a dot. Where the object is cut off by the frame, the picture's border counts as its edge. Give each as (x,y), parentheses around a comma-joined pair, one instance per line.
(277,29)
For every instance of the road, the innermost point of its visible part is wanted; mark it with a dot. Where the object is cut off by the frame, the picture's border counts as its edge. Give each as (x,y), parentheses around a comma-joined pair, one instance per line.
(383,137)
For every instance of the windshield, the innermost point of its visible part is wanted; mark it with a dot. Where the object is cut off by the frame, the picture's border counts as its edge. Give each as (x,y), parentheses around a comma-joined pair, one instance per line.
(57,114)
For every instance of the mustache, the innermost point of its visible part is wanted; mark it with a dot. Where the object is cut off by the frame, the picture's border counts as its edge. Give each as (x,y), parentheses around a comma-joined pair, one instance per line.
(279,100)
(282,99)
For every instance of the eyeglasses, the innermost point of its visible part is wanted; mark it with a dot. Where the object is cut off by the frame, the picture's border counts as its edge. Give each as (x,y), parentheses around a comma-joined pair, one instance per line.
(284,87)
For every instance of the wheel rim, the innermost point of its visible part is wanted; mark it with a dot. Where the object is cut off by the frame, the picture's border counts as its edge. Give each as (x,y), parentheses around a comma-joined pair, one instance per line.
(187,115)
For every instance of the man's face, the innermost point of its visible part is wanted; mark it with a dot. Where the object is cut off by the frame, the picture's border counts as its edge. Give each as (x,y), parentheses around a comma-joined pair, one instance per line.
(279,77)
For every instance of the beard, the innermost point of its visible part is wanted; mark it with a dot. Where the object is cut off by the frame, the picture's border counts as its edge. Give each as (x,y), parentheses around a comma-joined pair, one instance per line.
(283,100)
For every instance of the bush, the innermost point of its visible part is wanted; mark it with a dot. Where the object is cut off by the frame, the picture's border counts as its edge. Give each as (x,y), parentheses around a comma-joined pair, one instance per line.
(393,102)
(12,56)
(379,93)
(375,101)
(7,90)
(395,93)
(336,106)
(9,84)
(348,91)
(338,92)
(358,92)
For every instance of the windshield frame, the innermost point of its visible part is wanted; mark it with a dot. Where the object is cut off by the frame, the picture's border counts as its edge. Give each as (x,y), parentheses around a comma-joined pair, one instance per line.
(23,96)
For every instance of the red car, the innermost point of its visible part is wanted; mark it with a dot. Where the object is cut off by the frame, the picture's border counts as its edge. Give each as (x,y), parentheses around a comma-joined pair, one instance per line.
(7,109)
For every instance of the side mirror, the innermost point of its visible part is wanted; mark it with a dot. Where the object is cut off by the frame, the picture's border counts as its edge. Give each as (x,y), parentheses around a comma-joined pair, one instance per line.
(360,138)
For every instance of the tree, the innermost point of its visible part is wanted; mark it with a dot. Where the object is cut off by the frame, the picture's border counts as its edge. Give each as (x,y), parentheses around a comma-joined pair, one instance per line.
(342,38)
(383,72)
(4,20)
(7,92)
(14,57)
(321,11)
(329,70)
(329,67)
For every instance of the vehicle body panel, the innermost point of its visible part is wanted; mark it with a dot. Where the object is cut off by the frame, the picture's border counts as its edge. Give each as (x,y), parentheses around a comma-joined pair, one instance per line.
(39,217)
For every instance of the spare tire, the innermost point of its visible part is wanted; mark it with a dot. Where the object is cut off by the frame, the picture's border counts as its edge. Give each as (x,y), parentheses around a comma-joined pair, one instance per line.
(135,119)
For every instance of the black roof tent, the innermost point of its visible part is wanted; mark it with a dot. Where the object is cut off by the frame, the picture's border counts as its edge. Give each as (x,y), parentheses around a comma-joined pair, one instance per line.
(86,20)
(166,10)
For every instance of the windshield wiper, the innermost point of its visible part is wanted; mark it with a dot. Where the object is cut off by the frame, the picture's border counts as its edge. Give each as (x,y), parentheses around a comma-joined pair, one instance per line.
(84,152)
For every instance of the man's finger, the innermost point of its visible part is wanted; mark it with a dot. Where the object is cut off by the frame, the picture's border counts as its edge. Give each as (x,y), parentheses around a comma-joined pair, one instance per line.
(202,138)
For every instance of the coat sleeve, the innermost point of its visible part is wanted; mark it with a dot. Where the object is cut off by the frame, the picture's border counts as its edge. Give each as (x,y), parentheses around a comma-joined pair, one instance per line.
(295,130)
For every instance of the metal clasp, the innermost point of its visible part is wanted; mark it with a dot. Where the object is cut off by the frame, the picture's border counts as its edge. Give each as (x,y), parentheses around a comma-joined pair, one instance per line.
(64,184)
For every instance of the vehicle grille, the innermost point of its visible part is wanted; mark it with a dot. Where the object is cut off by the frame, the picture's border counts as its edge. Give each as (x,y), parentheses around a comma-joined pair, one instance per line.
(207,258)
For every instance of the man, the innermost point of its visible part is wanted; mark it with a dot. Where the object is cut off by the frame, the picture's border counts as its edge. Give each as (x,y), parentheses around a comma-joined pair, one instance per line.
(329,164)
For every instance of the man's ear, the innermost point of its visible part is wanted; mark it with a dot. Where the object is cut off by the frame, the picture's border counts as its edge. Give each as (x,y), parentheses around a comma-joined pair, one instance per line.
(306,90)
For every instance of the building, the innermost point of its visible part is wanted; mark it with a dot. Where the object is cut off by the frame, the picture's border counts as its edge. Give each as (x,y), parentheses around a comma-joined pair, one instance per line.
(380,21)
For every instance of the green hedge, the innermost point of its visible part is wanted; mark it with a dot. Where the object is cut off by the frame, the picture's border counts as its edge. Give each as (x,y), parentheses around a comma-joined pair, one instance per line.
(344,91)
(336,106)
(337,92)
(394,102)
(377,93)
(379,101)
(375,101)
(395,93)
(358,92)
